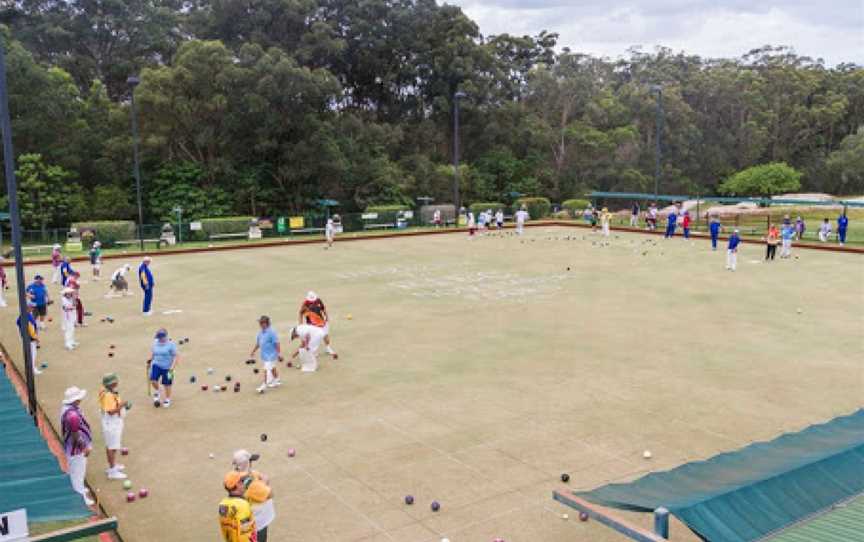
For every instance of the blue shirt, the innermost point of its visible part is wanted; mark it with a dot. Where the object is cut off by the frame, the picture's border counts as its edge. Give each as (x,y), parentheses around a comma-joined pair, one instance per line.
(164,354)
(39,294)
(65,272)
(734,241)
(673,219)
(267,342)
(715,228)
(32,328)
(788,232)
(145,277)
(842,222)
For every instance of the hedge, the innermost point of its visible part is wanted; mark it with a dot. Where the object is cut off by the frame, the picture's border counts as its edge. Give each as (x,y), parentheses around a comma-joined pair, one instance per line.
(390,208)
(108,232)
(477,208)
(575,206)
(226,224)
(536,207)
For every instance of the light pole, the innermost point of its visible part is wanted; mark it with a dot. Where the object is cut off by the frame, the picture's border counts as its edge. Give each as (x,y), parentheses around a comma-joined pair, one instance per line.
(179,211)
(658,155)
(15,220)
(133,82)
(456,199)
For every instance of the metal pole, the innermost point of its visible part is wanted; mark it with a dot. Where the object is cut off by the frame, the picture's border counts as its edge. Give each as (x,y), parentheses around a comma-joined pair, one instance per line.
(456,197)
(15,221)
(658,154)
(180,225)
(661,522)
(133,82)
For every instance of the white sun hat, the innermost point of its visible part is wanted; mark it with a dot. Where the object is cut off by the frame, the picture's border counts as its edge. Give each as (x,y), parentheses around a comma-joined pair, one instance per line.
(73,394)
(311,296)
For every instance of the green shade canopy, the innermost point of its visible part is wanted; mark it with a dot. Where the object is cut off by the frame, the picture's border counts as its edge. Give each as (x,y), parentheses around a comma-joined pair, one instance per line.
(30,476)
(757,491)
(641,196)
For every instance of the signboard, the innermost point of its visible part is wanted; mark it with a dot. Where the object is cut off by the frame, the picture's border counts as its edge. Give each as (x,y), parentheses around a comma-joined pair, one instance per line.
(296,222)
(280,224)
(369,216)
(408,214)
(195,226)
(13,526)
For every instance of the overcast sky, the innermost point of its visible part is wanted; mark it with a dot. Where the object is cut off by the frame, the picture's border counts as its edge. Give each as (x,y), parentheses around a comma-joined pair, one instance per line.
(828,29)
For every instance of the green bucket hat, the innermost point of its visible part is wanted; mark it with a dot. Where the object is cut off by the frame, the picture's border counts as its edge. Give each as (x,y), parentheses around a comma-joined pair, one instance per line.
(109,379)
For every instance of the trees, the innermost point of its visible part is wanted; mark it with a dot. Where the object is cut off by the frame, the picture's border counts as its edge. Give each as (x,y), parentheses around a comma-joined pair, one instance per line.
(45,193)
(276,103)
(763,180)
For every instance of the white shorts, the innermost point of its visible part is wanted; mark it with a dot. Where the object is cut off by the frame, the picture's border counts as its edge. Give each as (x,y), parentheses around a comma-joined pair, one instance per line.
(326,329)
(268,365)
(112,430)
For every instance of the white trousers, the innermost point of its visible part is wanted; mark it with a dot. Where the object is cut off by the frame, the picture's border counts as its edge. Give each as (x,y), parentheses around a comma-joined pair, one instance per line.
(308,360)
(731,259)
(634,220)
(55,275)
(33,353)
(786,248)
(68,325)
(520,227)
(77,472)
(606,229)
(2,297)
(823,236)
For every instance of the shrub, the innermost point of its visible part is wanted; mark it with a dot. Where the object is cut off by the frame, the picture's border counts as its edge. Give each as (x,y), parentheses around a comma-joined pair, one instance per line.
(226,224)
(536,207)
(575,206)
(389,208)
(108,232)
(477,208)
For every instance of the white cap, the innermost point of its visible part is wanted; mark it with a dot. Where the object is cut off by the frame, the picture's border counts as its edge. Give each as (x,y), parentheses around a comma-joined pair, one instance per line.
(311,296)
(56,246)
(65,291)
(147,259)
(73,394)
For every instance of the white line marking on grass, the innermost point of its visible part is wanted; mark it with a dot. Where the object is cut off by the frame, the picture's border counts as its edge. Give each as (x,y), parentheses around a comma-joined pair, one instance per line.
(172,311)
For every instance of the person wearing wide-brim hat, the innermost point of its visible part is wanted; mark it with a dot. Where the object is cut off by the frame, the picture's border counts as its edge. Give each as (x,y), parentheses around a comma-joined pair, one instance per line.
(69,307)
(258,492)
(113,410)
(77,440)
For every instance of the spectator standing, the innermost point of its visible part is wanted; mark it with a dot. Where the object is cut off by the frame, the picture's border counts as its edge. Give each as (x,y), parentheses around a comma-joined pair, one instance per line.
(605,217)
(671,222)
(685,224)
(634,215)
(77,440)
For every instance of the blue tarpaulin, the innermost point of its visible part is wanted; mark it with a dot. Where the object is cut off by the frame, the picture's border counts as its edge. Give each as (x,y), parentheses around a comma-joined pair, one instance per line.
(747,494)
(30,476)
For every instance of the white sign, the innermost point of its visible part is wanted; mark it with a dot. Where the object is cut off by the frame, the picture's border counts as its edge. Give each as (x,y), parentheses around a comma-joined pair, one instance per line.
(195,226)
(407,214)
(13,526)
(369,216)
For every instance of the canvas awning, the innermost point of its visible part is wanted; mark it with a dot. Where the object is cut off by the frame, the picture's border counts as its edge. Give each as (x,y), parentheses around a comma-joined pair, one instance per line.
(30,476)
(758,490)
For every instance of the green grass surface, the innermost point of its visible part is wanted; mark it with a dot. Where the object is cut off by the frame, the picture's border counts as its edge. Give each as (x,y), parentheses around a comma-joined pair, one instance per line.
(473,372)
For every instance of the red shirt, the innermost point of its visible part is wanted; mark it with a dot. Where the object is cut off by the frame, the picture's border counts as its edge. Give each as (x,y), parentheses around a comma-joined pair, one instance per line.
(686,221)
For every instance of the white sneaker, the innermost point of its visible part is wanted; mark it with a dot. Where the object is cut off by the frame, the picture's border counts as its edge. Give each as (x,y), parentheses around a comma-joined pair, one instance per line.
(274,383)
(116,475)
(117,467)
(261,388)
(148,313)
(87,500)
(166,403)
(37,371)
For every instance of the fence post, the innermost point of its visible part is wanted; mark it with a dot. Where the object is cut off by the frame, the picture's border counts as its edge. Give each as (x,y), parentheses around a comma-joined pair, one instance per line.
(661,522)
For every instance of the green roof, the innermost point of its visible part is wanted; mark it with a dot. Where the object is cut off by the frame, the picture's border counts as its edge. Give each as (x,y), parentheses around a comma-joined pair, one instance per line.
(841,523)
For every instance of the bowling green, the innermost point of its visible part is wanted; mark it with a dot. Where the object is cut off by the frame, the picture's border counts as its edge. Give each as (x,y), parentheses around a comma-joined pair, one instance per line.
(471,372)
